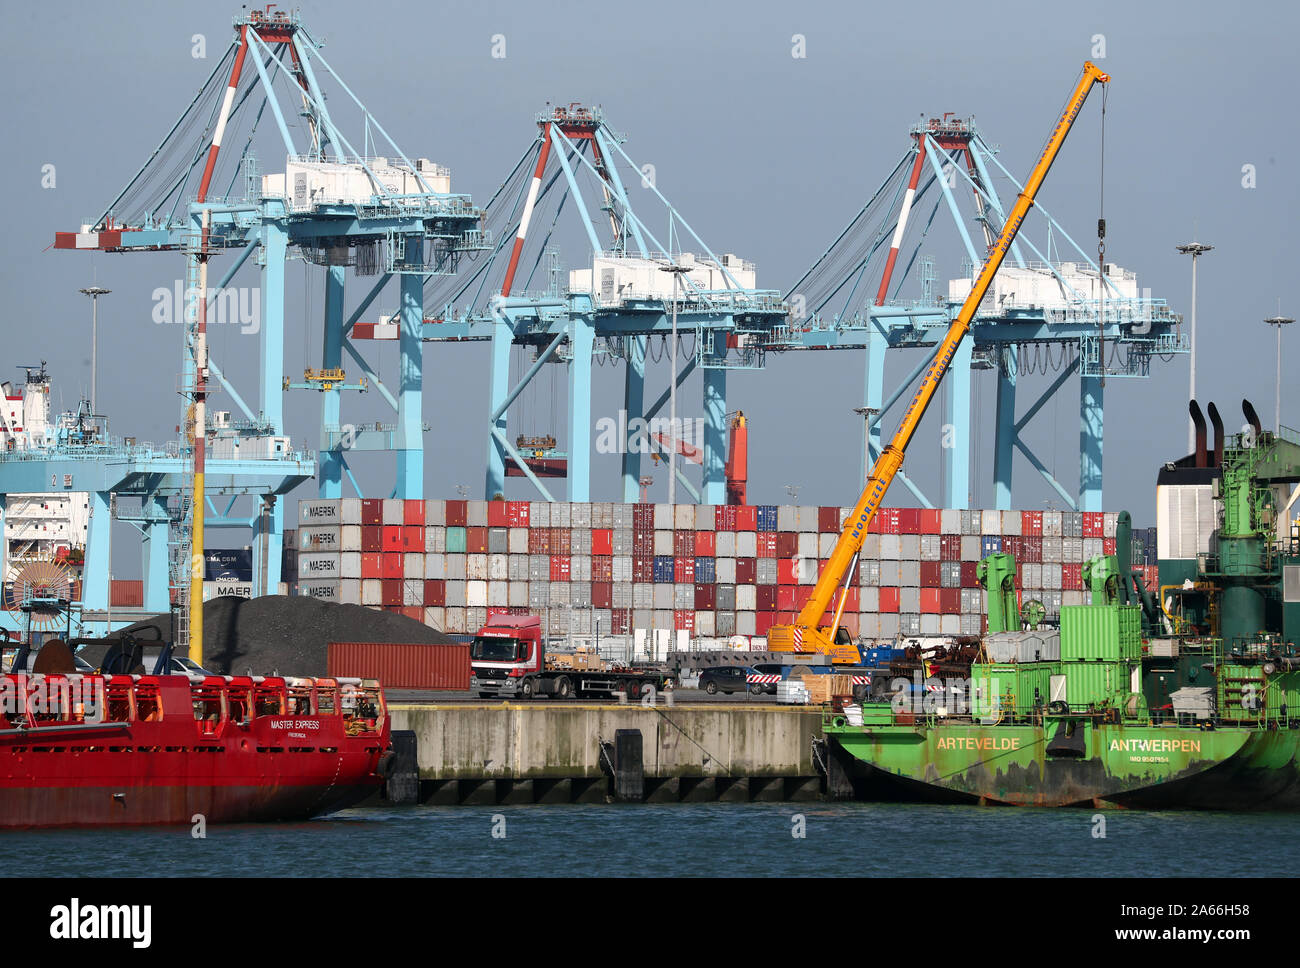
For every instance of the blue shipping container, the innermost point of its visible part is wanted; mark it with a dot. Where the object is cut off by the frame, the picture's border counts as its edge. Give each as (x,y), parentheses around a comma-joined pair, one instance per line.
(990,546)
(767,517)
(663,568)
(705,571)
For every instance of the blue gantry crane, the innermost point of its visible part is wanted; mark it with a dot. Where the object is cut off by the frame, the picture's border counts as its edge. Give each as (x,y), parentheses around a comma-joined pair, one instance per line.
(1050,310)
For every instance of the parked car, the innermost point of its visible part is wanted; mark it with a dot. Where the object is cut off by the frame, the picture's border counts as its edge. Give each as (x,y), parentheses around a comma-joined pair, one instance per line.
(728,679)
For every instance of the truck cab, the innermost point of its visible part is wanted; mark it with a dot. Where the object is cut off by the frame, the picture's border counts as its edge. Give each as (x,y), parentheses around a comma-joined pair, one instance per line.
(503,652)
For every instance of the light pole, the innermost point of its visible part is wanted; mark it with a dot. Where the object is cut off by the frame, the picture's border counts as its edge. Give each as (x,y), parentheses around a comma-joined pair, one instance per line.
(677,271)
(94,292)
(1278,322)
(1194,249)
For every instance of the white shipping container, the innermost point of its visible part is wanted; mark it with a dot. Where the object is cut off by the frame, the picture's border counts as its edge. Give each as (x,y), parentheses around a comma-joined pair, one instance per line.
(350,591)
(1011,521)
(704,624)
(315,566)
(413,566)
(1052,524)
(393,510)
(929,547)
(909,599)
(497,595)
(890,545)
(498,568)
(350,511)
(476,567)
(787,518)
(869,599)
(320,513)
(518,541)
(1109,524)
(663,517)
(826,544)
(889,626)
(621,568)
(950,624)
(1072,550)
(746,624)
(950,521)
(1052,548)
(871,547)
(351,537)
(435,514)
(413,592)
(909,547)
(455,621)
(435,566)
(930,624)
(684,517)
(909,574)
(476,514)
(1031,575)
(539,514)
(746,544)
(560,594)
(455,567)
(724,569)
(323,591)
(725,544)
(323,539)
(683,595)
(889,569)
(455,593)
(643,596)
(516,568)
(436,618)
(970,547)
(580,516)
(1051,574)
(663,595)
(350,565)
(517,594)
(372,591)
(746,598)
(991,522)
(1091,548)
(663,543)
(435,540)
(602,516)
(706,517)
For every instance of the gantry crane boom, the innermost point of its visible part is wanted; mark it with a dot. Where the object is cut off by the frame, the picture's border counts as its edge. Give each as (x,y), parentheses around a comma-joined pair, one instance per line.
(805,635)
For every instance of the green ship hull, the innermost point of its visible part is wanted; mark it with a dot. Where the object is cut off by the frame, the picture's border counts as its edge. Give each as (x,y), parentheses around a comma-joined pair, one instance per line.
(1155,767)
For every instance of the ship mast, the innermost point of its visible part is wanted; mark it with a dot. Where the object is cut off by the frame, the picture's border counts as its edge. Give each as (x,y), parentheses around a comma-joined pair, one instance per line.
(199,445)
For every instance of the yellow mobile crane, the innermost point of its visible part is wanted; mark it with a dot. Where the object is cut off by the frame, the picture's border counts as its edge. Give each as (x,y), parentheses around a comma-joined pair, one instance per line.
(805,635)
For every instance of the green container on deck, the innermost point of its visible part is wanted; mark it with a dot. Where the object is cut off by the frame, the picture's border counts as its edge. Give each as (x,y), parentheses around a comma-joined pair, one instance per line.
(1107,632)
(1096,683)
(455,541)
(1014,683)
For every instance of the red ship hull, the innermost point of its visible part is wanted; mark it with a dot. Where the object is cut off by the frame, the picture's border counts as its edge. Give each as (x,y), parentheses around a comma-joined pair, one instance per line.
(165,750)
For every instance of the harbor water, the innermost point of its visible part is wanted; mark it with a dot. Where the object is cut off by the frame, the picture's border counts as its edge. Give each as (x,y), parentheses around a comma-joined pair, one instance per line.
(683,840)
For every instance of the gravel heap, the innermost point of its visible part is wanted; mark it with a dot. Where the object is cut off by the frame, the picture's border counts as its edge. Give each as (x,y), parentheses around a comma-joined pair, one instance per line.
(290,634)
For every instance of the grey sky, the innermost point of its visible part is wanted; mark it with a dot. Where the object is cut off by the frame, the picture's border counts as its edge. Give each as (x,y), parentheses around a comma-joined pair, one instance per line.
(766,155)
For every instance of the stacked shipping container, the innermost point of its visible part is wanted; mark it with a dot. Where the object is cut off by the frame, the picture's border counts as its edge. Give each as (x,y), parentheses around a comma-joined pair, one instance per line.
(715,572)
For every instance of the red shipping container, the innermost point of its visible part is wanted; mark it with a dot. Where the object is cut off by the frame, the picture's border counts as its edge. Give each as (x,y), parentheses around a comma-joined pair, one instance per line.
(766,544)
(602,594)
(391,589)
(390,565)
(888,599)
(456,514)
(498,514)
(402,665)
(370,565)
(602,569)
(1031,550)
(414,612)
(931,521)
(1072,577)
(684,543)
(372,511)
(950,547)
(785,618)
(621,621)
(704,544)
(828,520)
(1107,546)
(888,521)
(643,569)
(372,537)
(909,520)
(724,517)
(643,543)
(746,571)
(785,598)
(787,544)
(853,602)
(413,512)
(392,537)
(684,618)
(1011,546)
(765,596)
(560,567)
(746,518)
(602,541)
(435,592)
(127,593)
(1031,523)
(930,601)
(517,514)
(705,597)
(950,601)
(560,541)
(684,570)
(969,574)
(643,517)
(1094,524)
(539,541)
(930,575)
(787,571)
(413,538)
(763,622)
(476,541)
